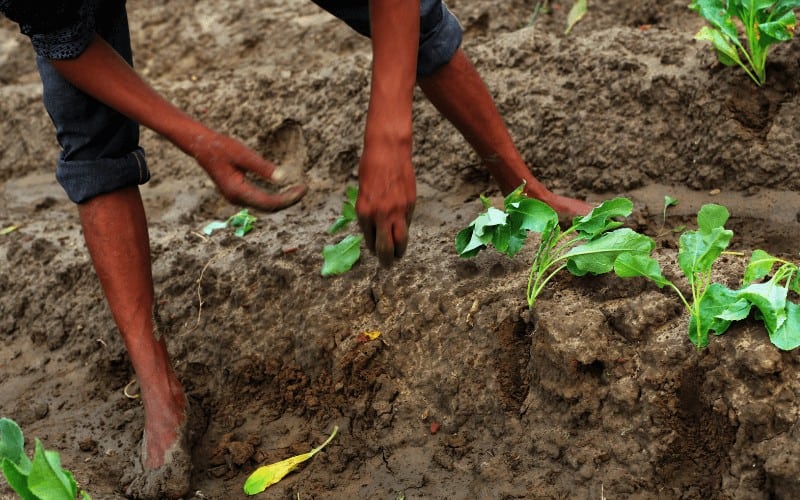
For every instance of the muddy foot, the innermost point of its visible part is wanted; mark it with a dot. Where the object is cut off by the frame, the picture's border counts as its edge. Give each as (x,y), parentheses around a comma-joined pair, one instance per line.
(172,479)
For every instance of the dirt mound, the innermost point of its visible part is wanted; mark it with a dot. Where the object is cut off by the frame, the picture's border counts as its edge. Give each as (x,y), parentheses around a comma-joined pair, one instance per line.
(466,394)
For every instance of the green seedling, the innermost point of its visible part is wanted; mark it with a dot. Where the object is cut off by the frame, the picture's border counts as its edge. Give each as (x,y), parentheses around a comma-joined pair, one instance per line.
(41,478)
(341,257)
(765,23)
(698,250)
(590,245)
(242,222)
(268,475)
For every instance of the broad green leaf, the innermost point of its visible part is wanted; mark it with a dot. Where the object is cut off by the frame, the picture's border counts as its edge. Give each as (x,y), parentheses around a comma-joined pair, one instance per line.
(530,214)
(576,13)
(630,265)
(726,51)
(339,258)
(598,256)
(17,479)
(492,217)
(351,193)
(781,29)
(784,6)
(698,250)
(770,300)
(599,220)
(711,216)
(718,300)
(268,475)
(12,443)
(787,336)
(47,479)
(760,265)
(717,15)
(213,226)
(514,196)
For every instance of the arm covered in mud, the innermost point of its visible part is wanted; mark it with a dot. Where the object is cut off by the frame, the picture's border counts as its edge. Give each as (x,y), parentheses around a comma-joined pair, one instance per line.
(102,73)
(387,188)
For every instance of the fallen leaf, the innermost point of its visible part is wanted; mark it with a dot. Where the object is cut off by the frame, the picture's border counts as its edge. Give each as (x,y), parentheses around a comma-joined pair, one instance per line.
(268,475)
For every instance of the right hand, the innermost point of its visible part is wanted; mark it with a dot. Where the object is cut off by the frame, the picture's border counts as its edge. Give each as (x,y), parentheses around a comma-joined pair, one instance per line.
(227,160)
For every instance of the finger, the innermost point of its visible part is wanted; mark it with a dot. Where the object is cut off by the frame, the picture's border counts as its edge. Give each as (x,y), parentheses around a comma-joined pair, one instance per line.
(260,166)
(252,196)
(400,235)
(368,229)
(384,243)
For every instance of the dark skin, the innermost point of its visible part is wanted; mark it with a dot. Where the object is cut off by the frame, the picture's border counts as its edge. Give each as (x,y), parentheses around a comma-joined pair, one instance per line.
(387,188)
(115,226)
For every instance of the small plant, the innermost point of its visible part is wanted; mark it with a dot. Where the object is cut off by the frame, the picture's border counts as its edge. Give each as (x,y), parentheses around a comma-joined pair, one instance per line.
(242,222)
(590,245)
(765,23)
(42,478)
(339,258)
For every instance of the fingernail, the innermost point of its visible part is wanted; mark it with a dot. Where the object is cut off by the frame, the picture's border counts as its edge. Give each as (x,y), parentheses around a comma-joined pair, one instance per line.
(278,174)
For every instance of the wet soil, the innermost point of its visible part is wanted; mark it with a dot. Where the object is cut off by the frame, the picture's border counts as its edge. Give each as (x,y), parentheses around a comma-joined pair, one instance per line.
(596,393)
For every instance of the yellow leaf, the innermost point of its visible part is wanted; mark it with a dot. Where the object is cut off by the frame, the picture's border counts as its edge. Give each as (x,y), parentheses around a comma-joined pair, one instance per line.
(270,474)
(8,230)
(372,335)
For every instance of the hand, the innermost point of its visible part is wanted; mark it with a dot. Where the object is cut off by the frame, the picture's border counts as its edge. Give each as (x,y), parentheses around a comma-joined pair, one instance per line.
(386,196)
(227,160)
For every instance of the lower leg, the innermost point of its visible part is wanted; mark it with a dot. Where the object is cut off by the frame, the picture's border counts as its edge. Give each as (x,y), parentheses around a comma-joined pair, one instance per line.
(458,92)
(115,230)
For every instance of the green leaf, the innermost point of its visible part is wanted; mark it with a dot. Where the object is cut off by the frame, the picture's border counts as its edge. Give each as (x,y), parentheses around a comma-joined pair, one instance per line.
(770,300)
(243,222)
(348,214)
(12,442)
(669,201)
(718,301)
(213,226)
(17,478)
(599,220)
(268,475)
(779,30)
(530,214)
(630,265)
(339,258)
(698,250)
(726,51)
(598,256)
(711,217)
(715,12)
(47,479)
(576,13)
(787,336)
(760,265)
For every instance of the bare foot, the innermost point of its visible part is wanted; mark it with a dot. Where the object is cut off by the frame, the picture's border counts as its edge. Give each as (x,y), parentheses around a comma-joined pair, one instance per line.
(567,207)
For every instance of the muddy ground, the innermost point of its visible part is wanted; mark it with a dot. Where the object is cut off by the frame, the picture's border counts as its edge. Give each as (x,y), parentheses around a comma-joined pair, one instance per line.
(596,393)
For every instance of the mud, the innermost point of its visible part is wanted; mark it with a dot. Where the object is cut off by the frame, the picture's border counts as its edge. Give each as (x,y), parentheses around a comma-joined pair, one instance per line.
(596,393)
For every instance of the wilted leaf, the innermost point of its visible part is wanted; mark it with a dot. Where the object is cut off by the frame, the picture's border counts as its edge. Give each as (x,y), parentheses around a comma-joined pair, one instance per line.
(268,475)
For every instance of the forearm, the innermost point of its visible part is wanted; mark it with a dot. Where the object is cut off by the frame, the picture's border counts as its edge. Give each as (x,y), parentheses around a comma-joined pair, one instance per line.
(395,41)
(102,73)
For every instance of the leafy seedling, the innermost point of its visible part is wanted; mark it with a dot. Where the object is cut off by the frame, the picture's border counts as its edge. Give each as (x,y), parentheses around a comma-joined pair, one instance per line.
(341,257)
(713,306)
(42,478)
(590,245)
(268,475)
(669,201)
(242,222)
(765,23)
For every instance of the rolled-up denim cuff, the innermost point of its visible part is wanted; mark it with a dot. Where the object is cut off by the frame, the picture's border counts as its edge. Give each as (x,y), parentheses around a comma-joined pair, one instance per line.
(85,179)
(439,44)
